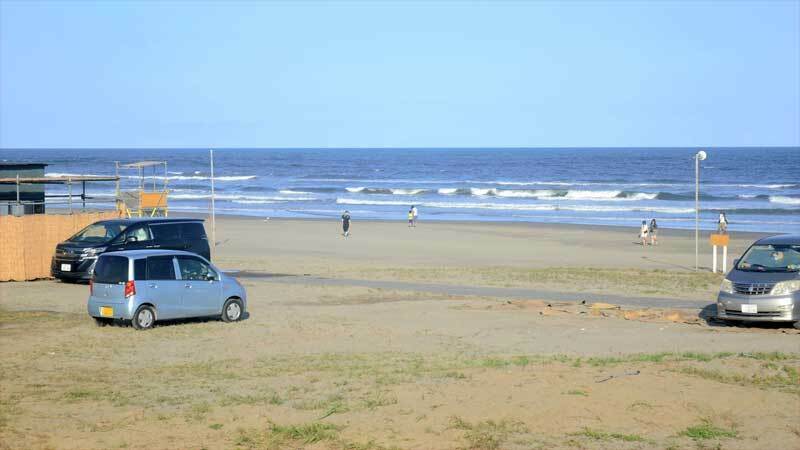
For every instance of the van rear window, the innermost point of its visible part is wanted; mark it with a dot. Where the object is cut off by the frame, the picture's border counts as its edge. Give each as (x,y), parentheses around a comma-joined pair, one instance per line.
(111,269)
(193,231)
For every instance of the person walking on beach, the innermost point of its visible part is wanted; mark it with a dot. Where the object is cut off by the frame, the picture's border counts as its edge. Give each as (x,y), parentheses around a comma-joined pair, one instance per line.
(643,233)
(346,223)
(652,230)
(410,218)
(414,213)
(722,224)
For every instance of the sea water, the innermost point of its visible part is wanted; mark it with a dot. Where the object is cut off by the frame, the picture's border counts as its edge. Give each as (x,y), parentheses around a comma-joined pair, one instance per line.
(758,188)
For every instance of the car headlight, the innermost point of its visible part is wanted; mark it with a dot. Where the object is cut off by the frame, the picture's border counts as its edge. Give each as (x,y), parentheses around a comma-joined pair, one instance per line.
(726,286)
(786,287)
(92,252)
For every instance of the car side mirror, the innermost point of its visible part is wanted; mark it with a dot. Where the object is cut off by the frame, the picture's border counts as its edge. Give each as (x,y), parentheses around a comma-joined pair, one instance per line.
(130,239)
(211,277)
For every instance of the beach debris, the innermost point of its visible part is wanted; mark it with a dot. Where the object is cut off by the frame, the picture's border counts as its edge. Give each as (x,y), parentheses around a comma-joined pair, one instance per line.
(619,375)
(600,305)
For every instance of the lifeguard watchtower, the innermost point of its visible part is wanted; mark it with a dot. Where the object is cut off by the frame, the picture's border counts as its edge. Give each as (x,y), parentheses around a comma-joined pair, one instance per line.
(150,199)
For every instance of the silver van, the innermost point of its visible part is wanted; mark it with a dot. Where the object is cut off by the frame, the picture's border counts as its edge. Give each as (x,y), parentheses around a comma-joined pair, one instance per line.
(144,286)
(764,285)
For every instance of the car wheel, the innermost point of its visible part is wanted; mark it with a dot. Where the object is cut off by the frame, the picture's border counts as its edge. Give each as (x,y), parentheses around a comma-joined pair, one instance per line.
(232,310)
(143,318)
(797,325)
(100,322)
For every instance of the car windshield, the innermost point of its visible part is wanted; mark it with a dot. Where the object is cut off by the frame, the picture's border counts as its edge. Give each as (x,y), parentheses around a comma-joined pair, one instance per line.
(97,233)
(771,258)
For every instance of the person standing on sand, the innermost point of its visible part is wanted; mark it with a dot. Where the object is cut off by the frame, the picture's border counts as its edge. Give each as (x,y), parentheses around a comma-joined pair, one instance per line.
(346,223)
(643,233)
(652,230)
(722,224)
(410,218)
(414,213)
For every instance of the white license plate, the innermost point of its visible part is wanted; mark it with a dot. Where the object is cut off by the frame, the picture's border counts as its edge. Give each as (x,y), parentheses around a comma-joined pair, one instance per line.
(66,267)
(750,309)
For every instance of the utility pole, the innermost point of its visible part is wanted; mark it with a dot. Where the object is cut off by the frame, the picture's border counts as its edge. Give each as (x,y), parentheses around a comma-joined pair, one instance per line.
(213,209)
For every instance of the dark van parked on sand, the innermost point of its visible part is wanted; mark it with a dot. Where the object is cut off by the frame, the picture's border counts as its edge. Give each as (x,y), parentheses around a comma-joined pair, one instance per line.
(75,258)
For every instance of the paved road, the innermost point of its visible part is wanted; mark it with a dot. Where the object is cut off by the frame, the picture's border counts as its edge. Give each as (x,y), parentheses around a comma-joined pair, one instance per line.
(512,293)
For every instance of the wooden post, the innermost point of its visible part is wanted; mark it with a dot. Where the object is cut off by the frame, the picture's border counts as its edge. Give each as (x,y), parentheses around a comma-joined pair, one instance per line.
(724,259)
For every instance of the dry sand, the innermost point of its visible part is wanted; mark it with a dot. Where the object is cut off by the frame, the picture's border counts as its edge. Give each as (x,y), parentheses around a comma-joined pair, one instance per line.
(317,366)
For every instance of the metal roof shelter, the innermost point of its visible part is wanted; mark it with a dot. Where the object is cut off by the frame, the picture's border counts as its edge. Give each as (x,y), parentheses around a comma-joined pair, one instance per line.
(28,192)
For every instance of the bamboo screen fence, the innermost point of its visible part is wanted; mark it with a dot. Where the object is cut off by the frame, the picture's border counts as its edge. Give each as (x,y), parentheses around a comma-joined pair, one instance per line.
(27,243)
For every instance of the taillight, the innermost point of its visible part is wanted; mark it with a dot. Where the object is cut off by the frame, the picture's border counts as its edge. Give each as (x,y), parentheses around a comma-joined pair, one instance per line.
(130,288)
(91,287)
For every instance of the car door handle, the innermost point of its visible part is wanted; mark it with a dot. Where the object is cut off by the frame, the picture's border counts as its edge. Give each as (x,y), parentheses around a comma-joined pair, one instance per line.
(153,285)
(187,286)
(153,246)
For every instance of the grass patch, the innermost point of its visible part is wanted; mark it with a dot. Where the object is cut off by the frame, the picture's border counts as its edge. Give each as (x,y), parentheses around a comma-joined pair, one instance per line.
(216,426)
(787,379)
(309,433)
(489,434)
(604,436)
(639,281)
(707,430)
(379,398)
(577,392)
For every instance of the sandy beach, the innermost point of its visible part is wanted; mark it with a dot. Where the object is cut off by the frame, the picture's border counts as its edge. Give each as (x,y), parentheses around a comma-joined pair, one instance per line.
(370,342)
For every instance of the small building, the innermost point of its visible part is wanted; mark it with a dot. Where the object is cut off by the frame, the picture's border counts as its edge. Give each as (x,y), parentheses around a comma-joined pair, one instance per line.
(30,195)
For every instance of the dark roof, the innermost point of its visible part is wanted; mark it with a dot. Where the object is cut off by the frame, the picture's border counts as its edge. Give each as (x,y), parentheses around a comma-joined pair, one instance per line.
(153,220)
(5,165)
(781,239)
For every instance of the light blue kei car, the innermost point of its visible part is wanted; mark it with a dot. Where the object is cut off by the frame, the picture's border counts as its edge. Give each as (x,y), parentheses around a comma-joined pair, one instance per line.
(145,286)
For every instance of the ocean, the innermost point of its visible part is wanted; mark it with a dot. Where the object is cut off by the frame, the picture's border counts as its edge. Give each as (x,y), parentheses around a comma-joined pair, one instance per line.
(758,188)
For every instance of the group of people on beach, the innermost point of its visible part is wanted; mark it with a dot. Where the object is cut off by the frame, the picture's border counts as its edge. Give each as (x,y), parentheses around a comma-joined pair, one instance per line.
(649,232)
(413,214)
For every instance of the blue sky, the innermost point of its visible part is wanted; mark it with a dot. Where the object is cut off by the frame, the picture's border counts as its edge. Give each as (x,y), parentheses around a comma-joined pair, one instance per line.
(382,74)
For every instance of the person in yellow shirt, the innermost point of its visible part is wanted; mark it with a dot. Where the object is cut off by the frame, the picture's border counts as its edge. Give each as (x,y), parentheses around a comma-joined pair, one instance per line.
(410,218)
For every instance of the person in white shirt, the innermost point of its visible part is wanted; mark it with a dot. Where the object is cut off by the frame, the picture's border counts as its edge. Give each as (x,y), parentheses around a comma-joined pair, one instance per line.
(722,224)
(643,232)
(414,213)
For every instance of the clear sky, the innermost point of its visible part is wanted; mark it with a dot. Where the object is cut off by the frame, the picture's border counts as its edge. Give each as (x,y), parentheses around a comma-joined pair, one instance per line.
(382,74)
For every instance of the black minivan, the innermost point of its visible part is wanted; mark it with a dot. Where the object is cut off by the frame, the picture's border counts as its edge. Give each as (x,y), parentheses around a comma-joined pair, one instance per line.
(75,257)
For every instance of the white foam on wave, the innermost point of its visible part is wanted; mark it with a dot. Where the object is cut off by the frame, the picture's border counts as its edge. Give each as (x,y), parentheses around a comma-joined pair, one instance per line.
(235,197)
(255,202)
(196,177)
(355,189)
(592,195)
(291,192)
(756,186)
(407,191)
(447,191)
(518,207)
(63,174)
(784,200)
(482,192)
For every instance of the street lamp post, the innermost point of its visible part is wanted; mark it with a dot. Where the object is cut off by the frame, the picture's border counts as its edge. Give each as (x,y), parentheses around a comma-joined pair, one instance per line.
(699,156)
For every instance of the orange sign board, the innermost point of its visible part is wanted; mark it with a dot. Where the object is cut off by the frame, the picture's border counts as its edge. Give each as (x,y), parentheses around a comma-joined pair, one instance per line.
(149,200)
(720,239)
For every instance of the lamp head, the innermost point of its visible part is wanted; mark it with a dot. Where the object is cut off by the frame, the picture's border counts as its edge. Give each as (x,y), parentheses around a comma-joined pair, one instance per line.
(701,155)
